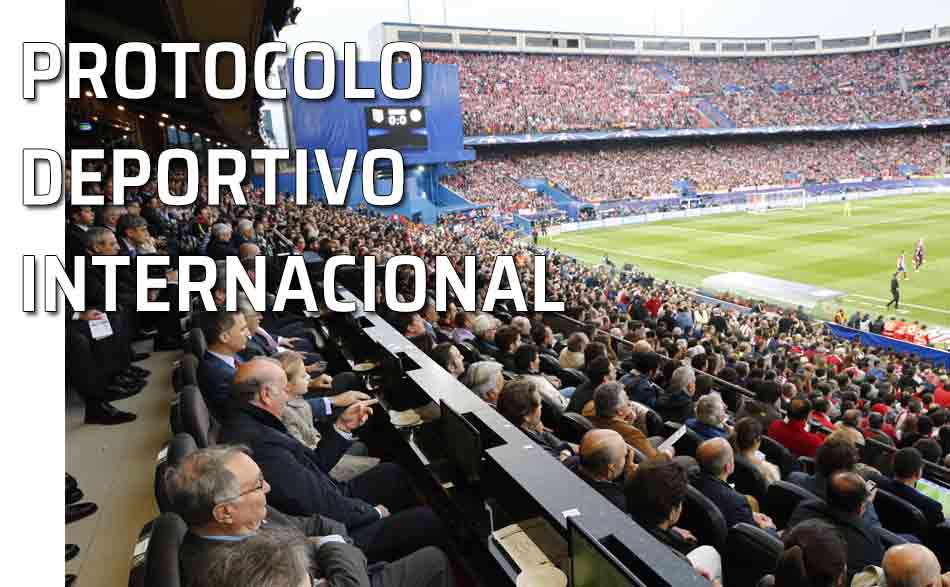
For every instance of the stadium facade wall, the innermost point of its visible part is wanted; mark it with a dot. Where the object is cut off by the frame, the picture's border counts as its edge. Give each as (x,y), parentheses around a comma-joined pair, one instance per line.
(935,356)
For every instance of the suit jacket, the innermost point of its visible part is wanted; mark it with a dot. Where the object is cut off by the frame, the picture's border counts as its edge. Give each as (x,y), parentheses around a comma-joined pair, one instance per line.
(733,505)
(257,346)
(298,476)
(214,380)
(930,507)
(218,250)
(75,244)
(864,545)
(341,564)
(612,490)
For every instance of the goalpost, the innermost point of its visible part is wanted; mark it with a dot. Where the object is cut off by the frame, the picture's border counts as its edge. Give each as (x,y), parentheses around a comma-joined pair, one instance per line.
(777,200)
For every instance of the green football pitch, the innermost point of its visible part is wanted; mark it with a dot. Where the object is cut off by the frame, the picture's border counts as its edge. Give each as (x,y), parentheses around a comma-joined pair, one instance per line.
(817,246)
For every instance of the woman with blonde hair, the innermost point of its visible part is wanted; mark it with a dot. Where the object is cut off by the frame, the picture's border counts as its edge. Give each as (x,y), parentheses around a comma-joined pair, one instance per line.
(298,419)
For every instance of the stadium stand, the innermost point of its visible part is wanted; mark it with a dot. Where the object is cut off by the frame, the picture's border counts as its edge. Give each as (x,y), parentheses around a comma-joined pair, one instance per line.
(497,433)
(506,93)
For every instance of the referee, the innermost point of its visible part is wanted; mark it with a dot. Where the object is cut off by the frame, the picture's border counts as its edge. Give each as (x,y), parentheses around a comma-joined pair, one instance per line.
(895,292)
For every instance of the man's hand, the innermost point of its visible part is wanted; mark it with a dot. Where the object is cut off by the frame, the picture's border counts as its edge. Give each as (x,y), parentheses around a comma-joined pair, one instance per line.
(630,466)
(347,398)
(90,315)
(683,534)
(322,382)
(354,416)
(290,342)
(318,367)
(383,512)
(763,521)
(553,380)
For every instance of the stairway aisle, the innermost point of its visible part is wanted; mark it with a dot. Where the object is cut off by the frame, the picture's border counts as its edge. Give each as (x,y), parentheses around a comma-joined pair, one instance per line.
(115,467)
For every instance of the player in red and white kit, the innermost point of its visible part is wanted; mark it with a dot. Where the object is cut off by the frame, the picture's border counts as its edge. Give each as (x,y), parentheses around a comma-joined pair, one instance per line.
(919,254)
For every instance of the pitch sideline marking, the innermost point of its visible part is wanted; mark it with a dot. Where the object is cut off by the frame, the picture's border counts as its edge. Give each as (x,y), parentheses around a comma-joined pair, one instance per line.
(928,308)
(573,242)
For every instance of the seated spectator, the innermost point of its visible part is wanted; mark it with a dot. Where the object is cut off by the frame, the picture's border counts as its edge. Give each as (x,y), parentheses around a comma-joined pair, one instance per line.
(875,429)
(765,408)
(543,337)
(746,439)
(710,420)
(908,470)
(655,496)
(299,481)
(572,356)
(606,462)
(716,464)
(904,565)
(794,434)
(847,498)
(484,328)
(520,404)
(279,558)
(612,411)
(676,404)
(449,358)
(464,323)
(220,246)
(837,453)
(298,418)
(815,555)
(221,492)
(508,340)
(226,335)
(849,425)
(639,382)
(486,379)
(599,371)
(528,363)
(929,449)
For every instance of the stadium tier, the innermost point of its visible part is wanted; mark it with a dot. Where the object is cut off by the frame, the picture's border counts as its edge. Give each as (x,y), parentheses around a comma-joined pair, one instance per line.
(632,171)
(511,93)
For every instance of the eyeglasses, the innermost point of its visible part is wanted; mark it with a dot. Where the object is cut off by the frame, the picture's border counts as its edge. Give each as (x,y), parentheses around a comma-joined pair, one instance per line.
(259,486)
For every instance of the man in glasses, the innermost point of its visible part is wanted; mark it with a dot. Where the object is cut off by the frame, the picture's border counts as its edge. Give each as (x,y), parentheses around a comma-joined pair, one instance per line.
(221,494)
(377,507)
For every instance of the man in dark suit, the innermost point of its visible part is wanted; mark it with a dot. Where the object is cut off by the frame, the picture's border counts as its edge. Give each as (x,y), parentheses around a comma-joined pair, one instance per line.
(604,464)
(908,470)
(392,528)
(220,246)
(677,403)
(226,335)
(81,219)
(848,496)
(716,463)
(236,510)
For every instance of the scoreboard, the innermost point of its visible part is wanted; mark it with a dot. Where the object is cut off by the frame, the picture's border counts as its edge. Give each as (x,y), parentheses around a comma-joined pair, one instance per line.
(396,127)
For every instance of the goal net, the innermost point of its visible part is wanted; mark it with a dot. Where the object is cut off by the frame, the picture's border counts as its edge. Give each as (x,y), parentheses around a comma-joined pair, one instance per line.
(777,200)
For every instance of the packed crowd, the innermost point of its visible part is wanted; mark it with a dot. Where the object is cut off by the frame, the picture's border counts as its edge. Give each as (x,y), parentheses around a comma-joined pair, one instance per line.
(261,377)
(509,93)
(595,173)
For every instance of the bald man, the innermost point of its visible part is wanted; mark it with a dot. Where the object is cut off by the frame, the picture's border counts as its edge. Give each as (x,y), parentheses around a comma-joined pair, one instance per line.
(716,463)
(377,507)
(847,497)
(913,565)
(605,462)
